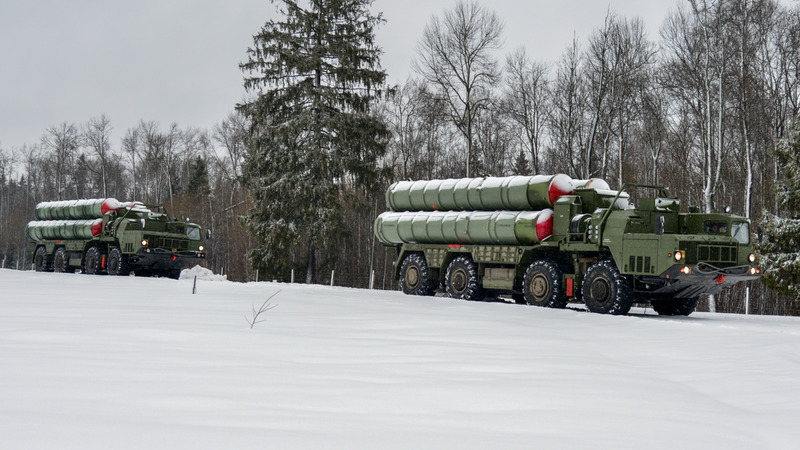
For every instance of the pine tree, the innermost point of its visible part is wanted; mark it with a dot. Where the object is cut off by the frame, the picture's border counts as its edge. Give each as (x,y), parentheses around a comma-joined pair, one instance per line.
(314,137)
(521,166)
(198,185)
(780,247)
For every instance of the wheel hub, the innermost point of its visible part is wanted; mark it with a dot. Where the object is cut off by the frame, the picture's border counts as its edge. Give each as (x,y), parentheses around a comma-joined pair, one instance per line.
(459,280)
(412,277)
(539,287)
(601,290)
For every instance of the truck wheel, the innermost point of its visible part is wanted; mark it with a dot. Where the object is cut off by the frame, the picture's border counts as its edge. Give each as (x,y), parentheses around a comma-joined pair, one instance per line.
(414,276)
(462,279)
(606,291)
(118,263)
(40,260)
(61,260)
(91,263)
(675,306)
(542,285)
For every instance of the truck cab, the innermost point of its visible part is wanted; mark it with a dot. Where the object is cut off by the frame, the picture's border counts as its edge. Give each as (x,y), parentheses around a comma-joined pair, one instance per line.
(669,256)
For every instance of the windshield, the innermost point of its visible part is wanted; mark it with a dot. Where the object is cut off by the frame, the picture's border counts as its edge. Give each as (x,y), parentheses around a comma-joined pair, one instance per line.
(741,232)
(717,227)
(193,233)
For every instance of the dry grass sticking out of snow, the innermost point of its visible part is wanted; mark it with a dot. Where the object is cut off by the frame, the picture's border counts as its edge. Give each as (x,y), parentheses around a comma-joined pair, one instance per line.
(99,362)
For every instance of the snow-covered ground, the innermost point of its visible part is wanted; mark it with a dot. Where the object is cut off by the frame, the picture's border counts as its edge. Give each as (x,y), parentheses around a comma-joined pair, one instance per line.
(91,362)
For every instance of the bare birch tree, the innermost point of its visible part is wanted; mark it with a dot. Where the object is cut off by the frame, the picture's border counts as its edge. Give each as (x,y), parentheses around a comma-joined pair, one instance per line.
(526,102)
(456,56)
(97,136)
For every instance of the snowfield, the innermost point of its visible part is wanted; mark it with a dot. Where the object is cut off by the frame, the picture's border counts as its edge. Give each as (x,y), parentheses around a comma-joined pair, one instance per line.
(98,362)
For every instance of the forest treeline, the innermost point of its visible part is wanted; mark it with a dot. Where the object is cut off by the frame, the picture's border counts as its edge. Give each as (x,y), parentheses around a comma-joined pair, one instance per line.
(697,107)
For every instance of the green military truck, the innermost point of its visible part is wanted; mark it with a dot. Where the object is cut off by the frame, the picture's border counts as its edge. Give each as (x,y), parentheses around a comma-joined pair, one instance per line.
(104,236)
(549,240)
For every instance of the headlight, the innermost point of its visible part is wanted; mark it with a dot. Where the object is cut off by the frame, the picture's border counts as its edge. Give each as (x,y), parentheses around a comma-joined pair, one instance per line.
(678,255)
(752,257)
(144,242)
(753,271)
(201,248)
(686,270)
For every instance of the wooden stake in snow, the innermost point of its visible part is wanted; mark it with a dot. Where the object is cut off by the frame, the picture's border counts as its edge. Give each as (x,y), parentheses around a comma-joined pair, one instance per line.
(194,286)
(332,272)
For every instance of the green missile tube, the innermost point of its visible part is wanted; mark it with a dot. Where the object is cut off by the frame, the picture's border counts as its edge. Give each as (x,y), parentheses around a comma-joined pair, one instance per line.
(515,193)
(75,209)
(40,230)
(464,227)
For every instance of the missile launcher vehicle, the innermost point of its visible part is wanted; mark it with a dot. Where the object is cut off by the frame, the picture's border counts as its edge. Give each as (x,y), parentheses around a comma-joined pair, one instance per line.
(549,240)
(104,236)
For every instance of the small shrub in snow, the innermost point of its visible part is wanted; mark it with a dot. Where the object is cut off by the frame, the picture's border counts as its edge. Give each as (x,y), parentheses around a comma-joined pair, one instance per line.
(264,308)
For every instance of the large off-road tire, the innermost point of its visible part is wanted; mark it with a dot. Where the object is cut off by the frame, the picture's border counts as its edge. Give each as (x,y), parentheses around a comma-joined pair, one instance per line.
(606,291)
(91,262)
(462,281)
(42,262)
(543,284)
(414,276)
(117,263)
(61,261)
(675,306)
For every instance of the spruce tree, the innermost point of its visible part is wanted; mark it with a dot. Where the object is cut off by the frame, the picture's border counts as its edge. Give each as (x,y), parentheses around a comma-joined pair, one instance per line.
(314,138)
(780,245)
(198,185)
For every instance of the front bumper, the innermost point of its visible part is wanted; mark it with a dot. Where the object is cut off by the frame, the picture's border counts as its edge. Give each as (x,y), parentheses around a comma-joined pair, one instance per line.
(157,258)
(702,279)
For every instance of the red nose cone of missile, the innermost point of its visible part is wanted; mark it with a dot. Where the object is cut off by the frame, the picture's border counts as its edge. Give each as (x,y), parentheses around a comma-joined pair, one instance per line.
(97,227)
(561,185)
(111,204)
(544,224)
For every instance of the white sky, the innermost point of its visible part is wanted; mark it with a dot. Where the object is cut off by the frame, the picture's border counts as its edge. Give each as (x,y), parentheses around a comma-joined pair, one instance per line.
(177,61)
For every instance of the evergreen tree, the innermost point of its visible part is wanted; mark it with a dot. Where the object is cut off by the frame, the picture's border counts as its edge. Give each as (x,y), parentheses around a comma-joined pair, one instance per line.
(521,166)
(780,247)
(198,185)
(314,137)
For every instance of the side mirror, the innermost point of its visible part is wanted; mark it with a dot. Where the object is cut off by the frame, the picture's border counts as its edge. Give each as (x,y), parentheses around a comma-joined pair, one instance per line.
(759,233)
(208,233)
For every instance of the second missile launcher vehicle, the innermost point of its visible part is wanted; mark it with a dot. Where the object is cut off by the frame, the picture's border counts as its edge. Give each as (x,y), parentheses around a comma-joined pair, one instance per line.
(104,236)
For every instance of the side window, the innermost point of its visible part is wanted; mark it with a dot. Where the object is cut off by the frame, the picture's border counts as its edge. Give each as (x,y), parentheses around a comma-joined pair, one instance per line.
(741,232)
(193,233)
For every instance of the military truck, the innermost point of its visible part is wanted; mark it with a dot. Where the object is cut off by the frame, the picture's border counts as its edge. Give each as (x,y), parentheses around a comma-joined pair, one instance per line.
(549,240)
(105,236)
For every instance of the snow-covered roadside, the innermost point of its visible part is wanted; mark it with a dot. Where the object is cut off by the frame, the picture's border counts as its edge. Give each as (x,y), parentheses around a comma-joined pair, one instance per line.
(90,362)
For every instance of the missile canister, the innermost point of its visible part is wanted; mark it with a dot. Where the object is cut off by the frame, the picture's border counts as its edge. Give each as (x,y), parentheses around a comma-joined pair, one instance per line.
(467,227)
(63,229)
(592,183)
(75,209)
(516,193)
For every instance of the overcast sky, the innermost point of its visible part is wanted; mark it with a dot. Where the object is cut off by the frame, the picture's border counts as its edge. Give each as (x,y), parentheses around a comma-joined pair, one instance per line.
(177,60)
